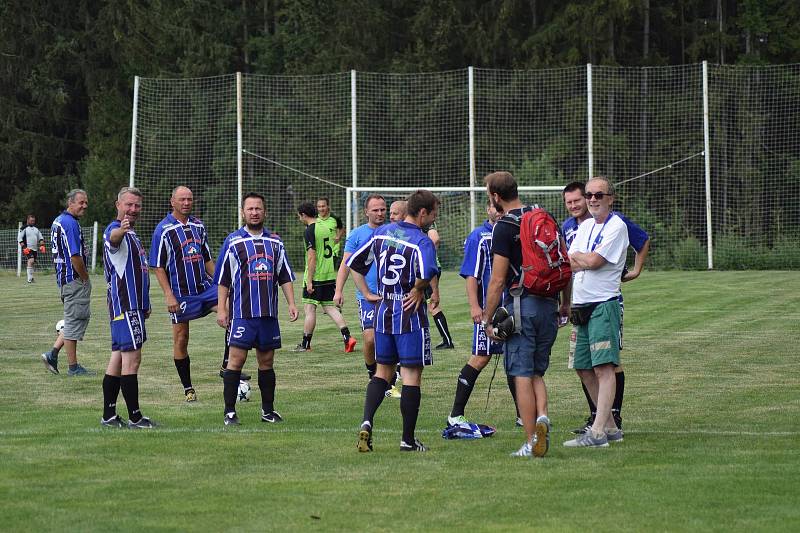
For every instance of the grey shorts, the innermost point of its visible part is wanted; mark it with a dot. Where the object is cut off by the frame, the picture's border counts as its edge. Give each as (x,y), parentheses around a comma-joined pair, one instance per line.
(527,352)
(77,298)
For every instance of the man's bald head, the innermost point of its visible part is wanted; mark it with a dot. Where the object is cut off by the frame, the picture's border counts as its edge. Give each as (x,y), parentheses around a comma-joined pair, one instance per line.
(182,202)
(398,211)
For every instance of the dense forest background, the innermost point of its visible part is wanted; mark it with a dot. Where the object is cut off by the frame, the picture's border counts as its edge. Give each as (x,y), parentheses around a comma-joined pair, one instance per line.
(67,68)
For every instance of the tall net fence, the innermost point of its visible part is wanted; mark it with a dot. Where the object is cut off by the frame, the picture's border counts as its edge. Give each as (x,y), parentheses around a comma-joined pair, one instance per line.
(9,246)
(310,136)
(646,119)
(755,152)
(186,135)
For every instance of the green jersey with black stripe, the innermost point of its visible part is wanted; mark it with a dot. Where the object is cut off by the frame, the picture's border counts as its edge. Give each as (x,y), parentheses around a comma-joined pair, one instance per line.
(320,238)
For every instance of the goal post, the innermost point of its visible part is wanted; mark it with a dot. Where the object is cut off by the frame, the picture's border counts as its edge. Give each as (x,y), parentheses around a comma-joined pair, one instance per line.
(459,207)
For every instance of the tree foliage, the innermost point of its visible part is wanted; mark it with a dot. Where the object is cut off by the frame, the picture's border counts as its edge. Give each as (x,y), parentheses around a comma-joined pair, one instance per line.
(67,68)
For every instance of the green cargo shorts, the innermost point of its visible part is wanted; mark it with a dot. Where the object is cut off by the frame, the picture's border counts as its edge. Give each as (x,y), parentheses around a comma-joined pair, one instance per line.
(597,343)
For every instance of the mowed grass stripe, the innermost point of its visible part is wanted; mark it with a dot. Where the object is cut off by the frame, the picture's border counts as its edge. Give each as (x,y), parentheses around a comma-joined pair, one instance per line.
(712,416)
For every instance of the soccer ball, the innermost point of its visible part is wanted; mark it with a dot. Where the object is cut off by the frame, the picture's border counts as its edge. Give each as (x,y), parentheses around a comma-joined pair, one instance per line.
(59,326)
(244,392)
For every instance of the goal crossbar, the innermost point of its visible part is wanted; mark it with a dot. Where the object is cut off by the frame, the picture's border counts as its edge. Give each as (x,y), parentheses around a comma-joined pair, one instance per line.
(475,193)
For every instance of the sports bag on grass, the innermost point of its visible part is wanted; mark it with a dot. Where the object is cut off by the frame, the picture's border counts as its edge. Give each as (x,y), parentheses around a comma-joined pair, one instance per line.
(545,263)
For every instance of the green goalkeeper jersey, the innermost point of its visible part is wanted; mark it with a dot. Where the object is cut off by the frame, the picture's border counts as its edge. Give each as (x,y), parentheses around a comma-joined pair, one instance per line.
(320,238)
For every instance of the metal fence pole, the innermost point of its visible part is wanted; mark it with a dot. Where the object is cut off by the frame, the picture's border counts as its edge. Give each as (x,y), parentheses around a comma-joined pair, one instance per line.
(134,124)
(589,135)
(707,154)
(472,171)
(19,252)
(239,148)
(94,247)
(352,202)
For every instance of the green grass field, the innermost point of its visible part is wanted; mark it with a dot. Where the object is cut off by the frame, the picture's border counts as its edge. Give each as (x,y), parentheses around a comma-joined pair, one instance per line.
(712,420)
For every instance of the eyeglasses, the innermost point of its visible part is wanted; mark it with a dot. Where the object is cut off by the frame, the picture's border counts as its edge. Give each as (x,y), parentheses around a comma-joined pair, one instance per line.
(599,195)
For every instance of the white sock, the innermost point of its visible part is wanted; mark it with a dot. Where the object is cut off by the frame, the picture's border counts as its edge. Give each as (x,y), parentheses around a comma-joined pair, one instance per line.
(30,273)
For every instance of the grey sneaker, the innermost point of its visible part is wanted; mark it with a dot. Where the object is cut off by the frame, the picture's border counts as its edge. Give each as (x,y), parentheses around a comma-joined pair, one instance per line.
(113,422)
(272,417)
(526,450)
(518,422)
(617,436)
(80,371)
(50,362)
(587,440)
(142,423)
(231,419)
(542,444)
(416,446)
(301,348)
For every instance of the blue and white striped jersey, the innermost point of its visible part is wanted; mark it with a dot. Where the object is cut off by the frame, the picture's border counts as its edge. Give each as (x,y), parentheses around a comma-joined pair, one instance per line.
(404,254)
(67,239)
(478,258)
(253,268)
(182,251)
(126,273)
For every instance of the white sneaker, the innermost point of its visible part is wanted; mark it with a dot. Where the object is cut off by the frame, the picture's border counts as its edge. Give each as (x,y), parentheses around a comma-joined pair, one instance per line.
(526,450)
(457,421)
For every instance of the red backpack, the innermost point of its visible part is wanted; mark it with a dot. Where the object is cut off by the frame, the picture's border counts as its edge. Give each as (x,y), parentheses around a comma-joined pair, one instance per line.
(545,263)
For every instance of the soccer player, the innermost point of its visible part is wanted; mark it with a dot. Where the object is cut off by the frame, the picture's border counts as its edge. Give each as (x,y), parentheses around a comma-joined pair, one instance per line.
(476,269)
(527,351)
(398,211)
(639,240)
(72,278)
(319,278)
(30,240)
(333,222)
(406,262)
(375,211)
(181,260)
(128,282)
(597,258)
(252,264)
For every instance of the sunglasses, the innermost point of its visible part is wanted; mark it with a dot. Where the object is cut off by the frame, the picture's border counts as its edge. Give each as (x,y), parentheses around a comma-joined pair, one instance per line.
(599,195)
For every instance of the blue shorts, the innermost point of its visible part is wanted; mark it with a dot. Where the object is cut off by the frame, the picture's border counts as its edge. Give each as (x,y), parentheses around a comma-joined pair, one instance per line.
(527,352)
(366,314)
(410,349)
(128,332)
(482,345)
(262,333)
(197,306)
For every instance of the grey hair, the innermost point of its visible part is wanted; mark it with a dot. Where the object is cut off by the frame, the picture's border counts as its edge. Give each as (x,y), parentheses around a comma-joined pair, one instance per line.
(73,193)
(610,186)
(129,190)
(175,190)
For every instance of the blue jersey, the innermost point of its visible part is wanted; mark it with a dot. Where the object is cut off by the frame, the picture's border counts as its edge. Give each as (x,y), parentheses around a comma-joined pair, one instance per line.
(182,251)
(403,254)
(65,233)
(253,268)
(126,273)
(357,238)
(478,258)
(636,235)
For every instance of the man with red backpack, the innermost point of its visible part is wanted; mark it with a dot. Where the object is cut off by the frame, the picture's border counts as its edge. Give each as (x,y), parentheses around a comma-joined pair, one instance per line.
(529,271)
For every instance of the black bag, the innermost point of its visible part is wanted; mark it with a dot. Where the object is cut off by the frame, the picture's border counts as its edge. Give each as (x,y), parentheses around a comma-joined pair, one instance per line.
(580,315)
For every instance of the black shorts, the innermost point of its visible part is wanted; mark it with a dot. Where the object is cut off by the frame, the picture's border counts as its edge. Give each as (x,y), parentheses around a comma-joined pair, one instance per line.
(322,295)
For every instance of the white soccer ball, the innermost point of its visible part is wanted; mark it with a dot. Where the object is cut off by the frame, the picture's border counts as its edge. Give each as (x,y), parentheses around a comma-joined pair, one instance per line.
(243,395)
(59,326)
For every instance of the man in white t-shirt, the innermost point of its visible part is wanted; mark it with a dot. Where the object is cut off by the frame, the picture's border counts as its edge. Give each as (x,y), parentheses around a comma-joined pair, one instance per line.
(597,257)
